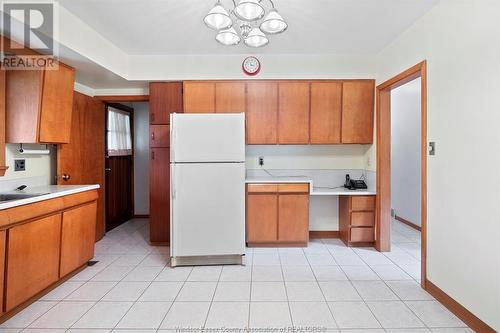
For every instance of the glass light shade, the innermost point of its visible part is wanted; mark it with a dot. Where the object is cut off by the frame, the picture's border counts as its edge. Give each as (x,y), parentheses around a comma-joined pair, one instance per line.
(249,10)
(228,37)
(256,38)
(273,23)
(218,18)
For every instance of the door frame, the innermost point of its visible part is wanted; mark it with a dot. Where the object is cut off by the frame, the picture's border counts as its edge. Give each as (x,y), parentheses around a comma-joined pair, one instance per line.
(383,129)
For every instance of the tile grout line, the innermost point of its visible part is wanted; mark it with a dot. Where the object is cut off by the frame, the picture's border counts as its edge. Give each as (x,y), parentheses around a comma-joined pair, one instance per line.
(319,286)
(213,297)
(399,298)
(175,298)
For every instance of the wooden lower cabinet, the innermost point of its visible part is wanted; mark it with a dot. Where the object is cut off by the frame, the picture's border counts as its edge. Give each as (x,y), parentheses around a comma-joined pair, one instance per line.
(262,218)
(77,237)
(293,222)
(357,219)
(277,214)
(33,251)
(3,234)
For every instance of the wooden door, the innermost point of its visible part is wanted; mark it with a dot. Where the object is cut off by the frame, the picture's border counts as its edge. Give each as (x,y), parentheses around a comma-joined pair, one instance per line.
(32,259)
(77,237)
(164,98)
(119,190)
(262,113)
(230,97)
(293,127)
(82,160)
(293,223)
(357,111)
(326,112)
(262,218)
(2,264)
(57,102)
(199,97)
(159,197)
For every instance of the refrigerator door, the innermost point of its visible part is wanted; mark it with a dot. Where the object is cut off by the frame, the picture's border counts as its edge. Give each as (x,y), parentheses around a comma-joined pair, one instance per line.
(208,137)
(208,209)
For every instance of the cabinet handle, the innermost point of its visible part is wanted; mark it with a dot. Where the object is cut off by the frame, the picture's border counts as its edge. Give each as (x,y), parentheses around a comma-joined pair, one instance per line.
(66,177)
(152,117)
(152,155)
(153,136)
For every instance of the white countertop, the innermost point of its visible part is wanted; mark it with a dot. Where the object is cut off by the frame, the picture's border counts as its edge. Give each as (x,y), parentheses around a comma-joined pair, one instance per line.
(49,192)
(314,190)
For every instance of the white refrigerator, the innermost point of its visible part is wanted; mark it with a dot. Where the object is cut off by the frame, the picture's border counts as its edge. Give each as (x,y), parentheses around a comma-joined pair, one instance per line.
(207,189)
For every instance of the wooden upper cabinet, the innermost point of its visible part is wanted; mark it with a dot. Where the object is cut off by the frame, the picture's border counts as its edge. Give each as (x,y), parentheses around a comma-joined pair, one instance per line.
(39,105)
(357,111)
(262,113)
(293,125)
(199,97)
(326,112)
(230,97)
(164,98)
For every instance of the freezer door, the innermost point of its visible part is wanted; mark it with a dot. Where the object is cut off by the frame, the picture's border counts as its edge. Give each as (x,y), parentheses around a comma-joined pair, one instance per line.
(208,137)
(208,209)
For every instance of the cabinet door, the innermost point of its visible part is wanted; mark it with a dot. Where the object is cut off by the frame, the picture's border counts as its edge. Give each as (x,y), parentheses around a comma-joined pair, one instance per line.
(293,113)
(159,195)
(357,112)
(262,218)
(57,105)
(199,97)
(164,98)
(2,265)
(262,113)
(326,112)
(77,237)
(159,136)
(293,224)
(33,259)
(230,97)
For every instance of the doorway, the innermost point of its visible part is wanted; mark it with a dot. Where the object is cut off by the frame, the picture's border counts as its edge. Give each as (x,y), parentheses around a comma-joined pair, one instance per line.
(119,165)
(385,108)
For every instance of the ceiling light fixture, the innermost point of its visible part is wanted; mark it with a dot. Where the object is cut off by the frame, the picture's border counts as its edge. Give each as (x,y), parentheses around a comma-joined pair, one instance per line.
(247,21)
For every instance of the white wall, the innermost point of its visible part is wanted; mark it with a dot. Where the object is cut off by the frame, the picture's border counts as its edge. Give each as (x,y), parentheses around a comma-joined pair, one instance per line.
(460,40)
(307,157)
(405,151)
(141,158)
(41,167)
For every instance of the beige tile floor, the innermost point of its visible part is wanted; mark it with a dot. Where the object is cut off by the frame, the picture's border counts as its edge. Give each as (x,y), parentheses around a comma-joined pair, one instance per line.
(325,286)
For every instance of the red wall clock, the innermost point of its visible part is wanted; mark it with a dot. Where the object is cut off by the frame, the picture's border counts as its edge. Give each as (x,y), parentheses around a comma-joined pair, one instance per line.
(251,66)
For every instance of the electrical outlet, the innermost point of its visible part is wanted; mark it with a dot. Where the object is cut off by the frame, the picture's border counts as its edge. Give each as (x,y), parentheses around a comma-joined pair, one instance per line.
(261,161)
(19,165)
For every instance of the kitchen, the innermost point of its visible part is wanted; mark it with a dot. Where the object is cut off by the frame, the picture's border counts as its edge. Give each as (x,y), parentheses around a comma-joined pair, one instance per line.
(255,184)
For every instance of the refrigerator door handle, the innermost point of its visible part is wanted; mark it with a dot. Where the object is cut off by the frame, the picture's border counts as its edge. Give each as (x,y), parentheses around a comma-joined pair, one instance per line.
(173,181)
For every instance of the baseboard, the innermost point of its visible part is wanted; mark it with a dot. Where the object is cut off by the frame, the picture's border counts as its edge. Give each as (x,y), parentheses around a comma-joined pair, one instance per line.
(408,223)
(457,309)
(140,216)
(324,234)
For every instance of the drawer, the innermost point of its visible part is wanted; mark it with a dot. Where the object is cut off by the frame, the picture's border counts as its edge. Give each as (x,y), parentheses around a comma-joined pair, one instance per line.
(363,203)
(362,235)
(262,188)
(159,136)
(362,219)
(293,188)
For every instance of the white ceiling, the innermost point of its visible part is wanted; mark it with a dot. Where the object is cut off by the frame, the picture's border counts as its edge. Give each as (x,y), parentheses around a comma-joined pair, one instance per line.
(175,27)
